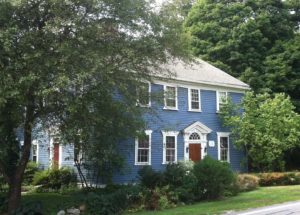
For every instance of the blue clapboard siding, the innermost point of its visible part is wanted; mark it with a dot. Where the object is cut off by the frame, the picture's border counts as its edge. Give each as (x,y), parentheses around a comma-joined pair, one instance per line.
(177,120)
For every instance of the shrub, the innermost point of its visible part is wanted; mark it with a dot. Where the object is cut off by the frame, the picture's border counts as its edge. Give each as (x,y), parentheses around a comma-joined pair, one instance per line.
(29,173)
(55,178)
(107,204)
(158,199)
(175,174)
(150,178)
(213,177)
(276,178)
(247,182)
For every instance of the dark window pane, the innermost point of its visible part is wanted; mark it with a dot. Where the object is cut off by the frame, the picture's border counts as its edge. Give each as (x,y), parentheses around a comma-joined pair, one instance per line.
(170,142)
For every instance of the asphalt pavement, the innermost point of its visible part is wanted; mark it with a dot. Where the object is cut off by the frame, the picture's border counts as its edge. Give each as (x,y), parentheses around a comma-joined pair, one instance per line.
(279,209)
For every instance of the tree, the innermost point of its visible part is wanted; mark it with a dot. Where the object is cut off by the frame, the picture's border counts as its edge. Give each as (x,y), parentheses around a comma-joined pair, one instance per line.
(61,64)
(240,37)
(266,128)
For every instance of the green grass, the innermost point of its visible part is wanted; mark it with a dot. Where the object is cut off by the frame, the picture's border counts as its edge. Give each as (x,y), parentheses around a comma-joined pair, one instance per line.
(258,198)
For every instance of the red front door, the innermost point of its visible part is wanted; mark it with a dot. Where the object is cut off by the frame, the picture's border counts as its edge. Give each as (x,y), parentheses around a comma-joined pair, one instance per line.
(56,155)
(195,152)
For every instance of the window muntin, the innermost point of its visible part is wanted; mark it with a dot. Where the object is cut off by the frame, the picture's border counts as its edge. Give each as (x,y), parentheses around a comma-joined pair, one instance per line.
(194,136)
(194,99)
(222,99)
(170,149)
(143,94)
(169,146)
(170,97)
(143,149)
(224,147)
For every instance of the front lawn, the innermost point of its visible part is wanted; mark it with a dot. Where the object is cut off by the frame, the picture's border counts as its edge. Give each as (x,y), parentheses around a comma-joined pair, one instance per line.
(261,197)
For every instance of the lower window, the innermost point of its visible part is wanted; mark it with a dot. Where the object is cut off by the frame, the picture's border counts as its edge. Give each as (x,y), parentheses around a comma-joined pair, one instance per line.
(223,139)
(143,149)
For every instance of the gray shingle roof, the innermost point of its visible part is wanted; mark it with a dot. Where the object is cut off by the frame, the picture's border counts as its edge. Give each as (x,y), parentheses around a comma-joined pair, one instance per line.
(202,72)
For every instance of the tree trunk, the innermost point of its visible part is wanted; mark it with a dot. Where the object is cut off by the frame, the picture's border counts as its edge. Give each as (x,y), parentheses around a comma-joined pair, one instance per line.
(14,198)
(14,195)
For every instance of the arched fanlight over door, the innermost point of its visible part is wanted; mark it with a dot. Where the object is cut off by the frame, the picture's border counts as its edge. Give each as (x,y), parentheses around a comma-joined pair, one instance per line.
(194,136)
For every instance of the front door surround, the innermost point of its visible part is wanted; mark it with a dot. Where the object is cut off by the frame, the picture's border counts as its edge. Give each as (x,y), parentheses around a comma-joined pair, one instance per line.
(195,134)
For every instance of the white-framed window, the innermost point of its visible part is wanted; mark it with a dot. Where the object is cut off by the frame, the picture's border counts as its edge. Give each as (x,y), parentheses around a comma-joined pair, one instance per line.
(170,97)
(170,146)
(194,99)
(143,149)
(35,152)
(144,94)
(223,146)
(222,97)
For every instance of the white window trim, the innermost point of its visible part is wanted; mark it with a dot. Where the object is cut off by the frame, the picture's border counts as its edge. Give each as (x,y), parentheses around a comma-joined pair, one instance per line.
(217,96)
(176,98)
(147,132)
(190,100)
(165,134)
(149,91)
(223,134)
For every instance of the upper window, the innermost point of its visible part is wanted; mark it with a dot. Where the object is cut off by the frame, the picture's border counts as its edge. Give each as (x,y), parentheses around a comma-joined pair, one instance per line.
(223,140)
(221,99)
(170,147)
(143,95)
(194,100)
(143,149)
(170,97)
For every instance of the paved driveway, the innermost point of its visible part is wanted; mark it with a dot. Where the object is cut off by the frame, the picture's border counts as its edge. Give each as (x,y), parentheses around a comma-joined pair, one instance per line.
(280,209)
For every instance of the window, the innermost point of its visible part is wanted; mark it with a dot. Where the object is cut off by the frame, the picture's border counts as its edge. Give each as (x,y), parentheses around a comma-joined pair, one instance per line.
(221,99)
(223,140)
(170,97)
(169,147)
(143,149)
(194,136)
(34,152)
(143,95)
(194,100)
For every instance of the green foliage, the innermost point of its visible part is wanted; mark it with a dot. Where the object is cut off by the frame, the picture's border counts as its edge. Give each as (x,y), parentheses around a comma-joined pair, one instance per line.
(76,58)
(108,204)
(279,178)
(54,178)
(29,173)
(267,128)
(29,208)
(254,40)
(247,182)
(213,178)
(150,178)
(182,181)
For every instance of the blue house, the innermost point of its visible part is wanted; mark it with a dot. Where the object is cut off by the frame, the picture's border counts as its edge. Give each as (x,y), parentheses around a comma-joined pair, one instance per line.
(185,126)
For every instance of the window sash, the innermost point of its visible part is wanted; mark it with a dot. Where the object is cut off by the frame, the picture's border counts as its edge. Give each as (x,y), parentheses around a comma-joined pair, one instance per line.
(34,153)
(224,148)
(170,148)
(170,96)
(143,150)
(222,97)
(194,99)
